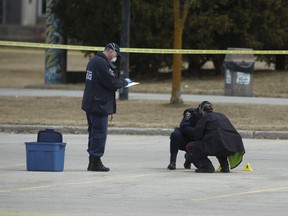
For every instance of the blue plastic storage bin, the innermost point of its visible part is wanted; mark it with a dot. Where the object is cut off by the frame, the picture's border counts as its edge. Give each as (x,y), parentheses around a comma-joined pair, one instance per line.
(45,156)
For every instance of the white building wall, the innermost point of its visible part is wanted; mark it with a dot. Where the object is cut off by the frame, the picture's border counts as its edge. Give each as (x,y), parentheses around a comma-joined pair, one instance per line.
(29,12)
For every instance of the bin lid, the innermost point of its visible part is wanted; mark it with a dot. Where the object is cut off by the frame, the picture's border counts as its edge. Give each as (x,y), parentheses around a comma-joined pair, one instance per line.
(239,57)
(240,62)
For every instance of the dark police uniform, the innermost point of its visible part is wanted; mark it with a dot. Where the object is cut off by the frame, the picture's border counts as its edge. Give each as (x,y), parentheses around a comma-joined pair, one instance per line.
(99,100)
(216,136)
(182,135)
(185,133)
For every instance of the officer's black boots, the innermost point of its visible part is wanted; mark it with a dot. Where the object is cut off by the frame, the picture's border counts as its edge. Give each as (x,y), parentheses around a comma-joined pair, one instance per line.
(204,165)
(96,165)
(224,164)
(187,164)
(90,164)
(172,165)
(173,157)
(207,169)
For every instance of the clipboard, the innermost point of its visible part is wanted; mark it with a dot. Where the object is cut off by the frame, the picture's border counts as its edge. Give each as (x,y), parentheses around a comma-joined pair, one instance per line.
(132,84)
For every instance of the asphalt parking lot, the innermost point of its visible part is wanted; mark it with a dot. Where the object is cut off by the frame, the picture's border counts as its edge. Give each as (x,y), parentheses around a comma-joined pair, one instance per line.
(139,183)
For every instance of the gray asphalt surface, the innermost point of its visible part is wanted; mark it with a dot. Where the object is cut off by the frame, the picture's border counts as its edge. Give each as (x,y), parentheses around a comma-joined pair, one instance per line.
(139,183)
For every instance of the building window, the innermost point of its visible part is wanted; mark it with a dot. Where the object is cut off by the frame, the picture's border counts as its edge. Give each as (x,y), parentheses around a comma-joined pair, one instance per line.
(41,8)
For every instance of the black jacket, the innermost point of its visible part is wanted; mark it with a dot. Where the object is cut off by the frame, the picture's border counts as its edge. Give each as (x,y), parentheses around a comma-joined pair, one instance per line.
(188,122)
(101,84)
(218,134)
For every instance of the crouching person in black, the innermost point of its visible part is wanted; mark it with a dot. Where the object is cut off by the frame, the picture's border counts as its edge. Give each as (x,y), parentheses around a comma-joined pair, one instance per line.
(215,136)
(182,135)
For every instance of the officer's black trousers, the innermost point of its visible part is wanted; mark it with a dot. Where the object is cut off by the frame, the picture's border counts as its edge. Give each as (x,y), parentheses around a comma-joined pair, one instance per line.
(97,129)
(178,141)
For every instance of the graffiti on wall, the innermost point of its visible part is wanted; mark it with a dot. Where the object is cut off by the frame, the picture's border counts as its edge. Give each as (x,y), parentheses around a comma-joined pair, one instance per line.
(55,59)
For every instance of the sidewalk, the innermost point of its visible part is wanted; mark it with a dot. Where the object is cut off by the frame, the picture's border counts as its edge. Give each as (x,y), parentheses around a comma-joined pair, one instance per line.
(145,96)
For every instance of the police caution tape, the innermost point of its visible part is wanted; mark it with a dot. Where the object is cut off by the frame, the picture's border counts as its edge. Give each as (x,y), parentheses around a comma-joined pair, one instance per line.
(143,50)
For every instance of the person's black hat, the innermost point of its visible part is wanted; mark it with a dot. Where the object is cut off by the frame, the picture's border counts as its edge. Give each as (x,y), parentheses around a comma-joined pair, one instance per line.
(115,47)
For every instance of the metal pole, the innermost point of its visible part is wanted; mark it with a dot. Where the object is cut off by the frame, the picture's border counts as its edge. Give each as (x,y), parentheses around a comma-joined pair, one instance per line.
(125,41)
(55,59)
(4,7)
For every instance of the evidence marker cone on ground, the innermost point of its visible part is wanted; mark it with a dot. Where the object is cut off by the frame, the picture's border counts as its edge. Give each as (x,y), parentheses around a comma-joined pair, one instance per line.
(248,167)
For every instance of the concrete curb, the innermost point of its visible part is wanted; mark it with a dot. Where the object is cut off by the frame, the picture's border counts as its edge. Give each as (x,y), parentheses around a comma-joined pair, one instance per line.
(247,134)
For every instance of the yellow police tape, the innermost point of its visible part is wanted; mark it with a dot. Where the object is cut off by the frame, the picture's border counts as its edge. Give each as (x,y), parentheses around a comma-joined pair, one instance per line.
(142,50)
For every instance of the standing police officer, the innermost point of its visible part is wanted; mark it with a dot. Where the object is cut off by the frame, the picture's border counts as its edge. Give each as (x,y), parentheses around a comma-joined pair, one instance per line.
(99,101)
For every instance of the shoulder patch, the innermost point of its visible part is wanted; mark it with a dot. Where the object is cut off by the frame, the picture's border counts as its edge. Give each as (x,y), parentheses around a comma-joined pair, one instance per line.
(89,75)
(112,72)
(187,115)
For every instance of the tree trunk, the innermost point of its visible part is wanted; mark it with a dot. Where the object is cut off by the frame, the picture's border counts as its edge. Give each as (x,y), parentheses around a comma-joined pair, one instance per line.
(177,66)
(179,20)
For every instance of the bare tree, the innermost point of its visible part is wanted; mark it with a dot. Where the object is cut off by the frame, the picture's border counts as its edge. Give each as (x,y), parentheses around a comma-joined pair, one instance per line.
(180,13)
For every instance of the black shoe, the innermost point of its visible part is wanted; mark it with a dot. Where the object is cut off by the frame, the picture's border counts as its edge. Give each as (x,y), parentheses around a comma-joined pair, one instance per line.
(97,165)
(187,164)
(100,168)
(90,163)
(225,170)
(205,170)
(172,166)
(223,164)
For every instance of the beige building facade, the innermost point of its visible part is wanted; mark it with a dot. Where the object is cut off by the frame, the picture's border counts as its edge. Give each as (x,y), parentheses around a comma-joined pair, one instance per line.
(22,20)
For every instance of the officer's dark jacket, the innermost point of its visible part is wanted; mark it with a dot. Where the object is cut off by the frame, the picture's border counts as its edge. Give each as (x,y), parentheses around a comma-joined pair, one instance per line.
(101,85)
(218,134)
(188,122)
